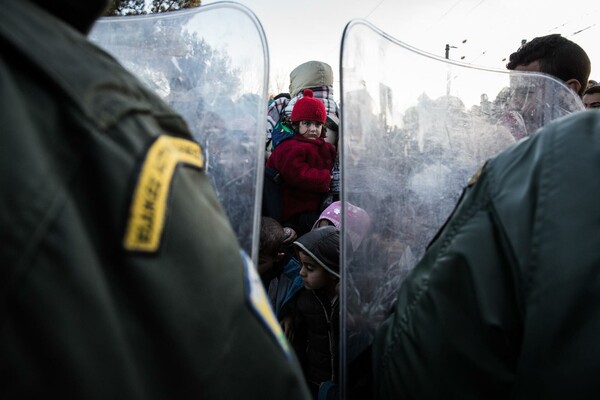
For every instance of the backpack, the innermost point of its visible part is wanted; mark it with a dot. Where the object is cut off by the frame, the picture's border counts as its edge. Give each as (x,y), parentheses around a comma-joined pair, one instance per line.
(282,131)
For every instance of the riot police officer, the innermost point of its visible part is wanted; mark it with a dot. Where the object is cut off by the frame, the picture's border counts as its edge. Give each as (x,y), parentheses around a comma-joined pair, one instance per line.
(120,274)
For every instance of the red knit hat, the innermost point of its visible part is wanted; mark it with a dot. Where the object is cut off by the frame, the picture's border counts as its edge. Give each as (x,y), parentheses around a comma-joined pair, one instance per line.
(309,109)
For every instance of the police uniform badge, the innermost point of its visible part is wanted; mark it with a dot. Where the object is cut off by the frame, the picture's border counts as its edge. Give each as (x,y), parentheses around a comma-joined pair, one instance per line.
(260,305)
(475,176)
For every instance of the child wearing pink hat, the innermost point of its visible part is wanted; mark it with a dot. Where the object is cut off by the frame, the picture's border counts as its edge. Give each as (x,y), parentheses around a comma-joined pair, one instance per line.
(357,221)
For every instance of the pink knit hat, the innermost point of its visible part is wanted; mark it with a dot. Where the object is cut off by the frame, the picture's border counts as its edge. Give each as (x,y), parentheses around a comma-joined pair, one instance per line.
(309,109)
(357,219)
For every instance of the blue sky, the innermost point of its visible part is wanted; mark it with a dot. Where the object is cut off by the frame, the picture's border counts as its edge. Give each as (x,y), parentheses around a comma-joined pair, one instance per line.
(302,30)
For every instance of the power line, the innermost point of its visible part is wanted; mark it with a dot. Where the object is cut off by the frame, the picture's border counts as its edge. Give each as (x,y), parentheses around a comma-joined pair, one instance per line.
(477,5)
(584,29)
(445,13)
(367,16)
(373,10)
(448,10)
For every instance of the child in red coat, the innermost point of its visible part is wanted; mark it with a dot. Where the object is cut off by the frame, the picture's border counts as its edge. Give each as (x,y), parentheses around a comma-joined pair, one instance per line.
(304,163)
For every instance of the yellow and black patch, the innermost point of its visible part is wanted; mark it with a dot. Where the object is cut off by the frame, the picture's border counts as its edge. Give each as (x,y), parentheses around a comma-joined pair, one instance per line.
(475,176)
(149,204)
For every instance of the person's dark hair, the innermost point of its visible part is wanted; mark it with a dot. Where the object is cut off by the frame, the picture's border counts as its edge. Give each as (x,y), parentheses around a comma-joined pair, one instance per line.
(271,236)
(280,95)
(592,90)
(558,56)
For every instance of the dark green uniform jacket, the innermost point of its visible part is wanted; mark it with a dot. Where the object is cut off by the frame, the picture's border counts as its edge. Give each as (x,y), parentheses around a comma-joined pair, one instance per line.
(506,302)
(120,277)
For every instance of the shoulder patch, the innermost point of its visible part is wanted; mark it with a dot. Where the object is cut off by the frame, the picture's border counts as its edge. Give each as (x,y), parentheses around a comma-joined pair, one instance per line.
(149,202)
(259,303)
(475,176)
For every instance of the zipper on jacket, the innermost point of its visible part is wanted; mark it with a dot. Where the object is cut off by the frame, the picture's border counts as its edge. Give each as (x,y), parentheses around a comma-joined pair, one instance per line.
(328,318)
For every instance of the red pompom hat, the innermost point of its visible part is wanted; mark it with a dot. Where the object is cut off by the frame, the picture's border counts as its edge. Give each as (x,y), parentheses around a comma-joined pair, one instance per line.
(309,109)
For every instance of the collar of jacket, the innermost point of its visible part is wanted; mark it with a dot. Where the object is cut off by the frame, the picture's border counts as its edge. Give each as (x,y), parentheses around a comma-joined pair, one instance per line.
(316,142)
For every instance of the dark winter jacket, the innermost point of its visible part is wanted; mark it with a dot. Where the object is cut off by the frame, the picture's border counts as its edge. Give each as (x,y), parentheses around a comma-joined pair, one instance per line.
(316,335)
(120,276)
(505,303)
(283,288)
(305,167)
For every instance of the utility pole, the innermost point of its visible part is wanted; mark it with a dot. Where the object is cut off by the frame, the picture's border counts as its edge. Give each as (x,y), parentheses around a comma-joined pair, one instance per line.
(448,47)
(448,74)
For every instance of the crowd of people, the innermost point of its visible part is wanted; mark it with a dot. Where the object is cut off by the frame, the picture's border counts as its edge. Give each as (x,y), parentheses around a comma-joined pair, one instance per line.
(122,276)
(498,120)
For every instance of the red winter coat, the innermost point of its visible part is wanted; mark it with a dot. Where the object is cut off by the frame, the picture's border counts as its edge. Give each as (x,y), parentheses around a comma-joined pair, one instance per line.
(305,168)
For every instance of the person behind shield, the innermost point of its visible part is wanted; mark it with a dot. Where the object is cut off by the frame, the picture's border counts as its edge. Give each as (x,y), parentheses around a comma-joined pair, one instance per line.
(283,289)
(317,313)
(314,75)
(305,163)
(554,55)
(270,250)
(591,97)
(121,275)
(318,77)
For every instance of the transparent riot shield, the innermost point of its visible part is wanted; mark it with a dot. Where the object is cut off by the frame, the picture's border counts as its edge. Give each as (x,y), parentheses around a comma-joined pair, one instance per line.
(415,128)
(211,65)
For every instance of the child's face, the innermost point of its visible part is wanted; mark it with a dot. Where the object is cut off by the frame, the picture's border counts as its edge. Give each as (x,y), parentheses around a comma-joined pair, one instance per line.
(310,129)
(315,277)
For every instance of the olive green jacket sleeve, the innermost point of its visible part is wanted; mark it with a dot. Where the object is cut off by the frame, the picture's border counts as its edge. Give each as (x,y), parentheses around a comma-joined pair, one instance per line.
(120,274)
(505,302)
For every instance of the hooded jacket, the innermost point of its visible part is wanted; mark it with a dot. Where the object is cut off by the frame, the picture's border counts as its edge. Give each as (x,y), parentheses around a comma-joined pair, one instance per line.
(505,302)
(317,320)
